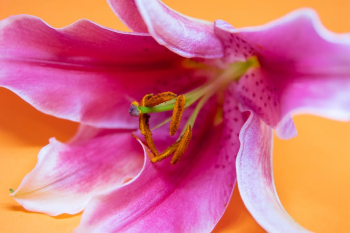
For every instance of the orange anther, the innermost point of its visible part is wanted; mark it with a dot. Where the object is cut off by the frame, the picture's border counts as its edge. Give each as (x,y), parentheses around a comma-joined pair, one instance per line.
(183,144)
(145,99)
(146,132)
(179,108)
(166,153)
(159,98)
(143,123)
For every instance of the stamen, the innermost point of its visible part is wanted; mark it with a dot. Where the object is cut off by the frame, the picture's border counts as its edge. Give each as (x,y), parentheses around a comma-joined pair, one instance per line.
(166,153)
(179,108)
(144,118)
(167,101)
(143,121)
(183,144)
(159,98)
(146,132)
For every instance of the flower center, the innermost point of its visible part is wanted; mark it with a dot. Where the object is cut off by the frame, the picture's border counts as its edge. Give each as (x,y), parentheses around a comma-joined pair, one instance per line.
(168,101)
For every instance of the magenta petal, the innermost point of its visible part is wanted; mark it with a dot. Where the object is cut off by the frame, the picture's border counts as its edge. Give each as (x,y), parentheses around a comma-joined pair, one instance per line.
(183,35)
(255,89)
(190,196)
(68,175)
(127,11)
(310,64)
(82,72)
(258,93)
(255,178)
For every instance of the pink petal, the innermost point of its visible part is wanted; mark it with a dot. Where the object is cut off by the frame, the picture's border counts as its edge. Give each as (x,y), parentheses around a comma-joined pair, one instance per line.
(314,61)
(258,93)
(255,178)
(183,35)
(255,90)
(68,175)
(235,48)
(127,11)
(190,196)
(305,68)
(84,72)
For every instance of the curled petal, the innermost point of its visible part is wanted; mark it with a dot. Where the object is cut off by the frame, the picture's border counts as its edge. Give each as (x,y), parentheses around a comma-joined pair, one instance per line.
(170,198)
(127,11)
(188,37)
(68,175)
(255,178)
(304,68)
(314,64)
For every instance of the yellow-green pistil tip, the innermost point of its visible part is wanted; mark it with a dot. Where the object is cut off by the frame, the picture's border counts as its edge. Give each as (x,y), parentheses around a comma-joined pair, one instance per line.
(12,191)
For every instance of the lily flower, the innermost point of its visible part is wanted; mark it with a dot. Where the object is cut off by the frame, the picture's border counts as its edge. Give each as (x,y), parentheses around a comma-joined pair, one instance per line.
(230,88)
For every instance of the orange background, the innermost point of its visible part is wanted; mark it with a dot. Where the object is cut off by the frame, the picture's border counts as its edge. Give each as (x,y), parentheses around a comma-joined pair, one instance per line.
(312,172)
